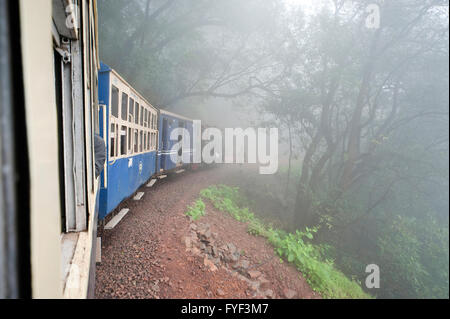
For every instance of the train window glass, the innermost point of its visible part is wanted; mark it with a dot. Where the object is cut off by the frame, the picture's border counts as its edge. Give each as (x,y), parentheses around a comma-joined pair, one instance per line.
(131,110)
(144,111)
(145,141)
(124,110)
(130,150)
(136,140)
(152,145)
(112,141)
(136,113)
(165,126)
(114,101)
(123,140)
(140,141)
(141,119)
(151,141)
(146,118)
(116,148)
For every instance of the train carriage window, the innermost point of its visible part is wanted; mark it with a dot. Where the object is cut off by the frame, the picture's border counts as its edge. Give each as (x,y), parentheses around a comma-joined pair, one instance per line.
(165,127)
(124,110)
(114,101)
(136,112)
(140,141)
(145,141)
(147,116)
(116,148)
(123,140)
(141,119)
(130,150)
(136,140)
(152,145)
(151,141)
(131,110)
(112,141)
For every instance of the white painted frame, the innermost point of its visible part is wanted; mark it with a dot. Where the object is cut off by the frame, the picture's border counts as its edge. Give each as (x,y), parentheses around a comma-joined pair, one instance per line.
(149,129)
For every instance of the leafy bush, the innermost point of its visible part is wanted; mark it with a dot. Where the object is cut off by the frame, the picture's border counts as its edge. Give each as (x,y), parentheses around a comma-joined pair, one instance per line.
(196,211)
(296,248)
(415,257)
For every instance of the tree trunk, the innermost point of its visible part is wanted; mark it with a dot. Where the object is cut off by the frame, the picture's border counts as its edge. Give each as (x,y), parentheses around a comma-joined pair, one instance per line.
(290,160)
(304,216)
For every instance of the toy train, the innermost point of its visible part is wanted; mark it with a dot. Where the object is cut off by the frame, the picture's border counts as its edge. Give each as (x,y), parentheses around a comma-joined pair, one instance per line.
(137,138)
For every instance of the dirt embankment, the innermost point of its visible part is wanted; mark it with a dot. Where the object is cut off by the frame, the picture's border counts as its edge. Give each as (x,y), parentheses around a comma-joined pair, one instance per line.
(158,252)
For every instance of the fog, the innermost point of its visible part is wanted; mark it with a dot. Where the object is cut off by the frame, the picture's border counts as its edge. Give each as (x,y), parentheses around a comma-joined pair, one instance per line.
(359,93)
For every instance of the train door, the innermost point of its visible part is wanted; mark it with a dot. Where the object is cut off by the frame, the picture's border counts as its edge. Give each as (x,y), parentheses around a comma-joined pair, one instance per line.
(70,110)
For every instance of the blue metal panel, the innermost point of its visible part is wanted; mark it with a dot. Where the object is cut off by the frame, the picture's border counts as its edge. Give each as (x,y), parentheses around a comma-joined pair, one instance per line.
(103,84)
(165,144)
(125,176)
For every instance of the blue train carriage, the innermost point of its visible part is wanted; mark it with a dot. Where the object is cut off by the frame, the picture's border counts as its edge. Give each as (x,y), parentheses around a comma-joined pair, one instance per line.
(128,124)
(181,158)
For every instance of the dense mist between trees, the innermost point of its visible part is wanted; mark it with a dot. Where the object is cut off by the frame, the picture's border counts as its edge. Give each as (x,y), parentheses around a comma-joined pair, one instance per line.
(361,104)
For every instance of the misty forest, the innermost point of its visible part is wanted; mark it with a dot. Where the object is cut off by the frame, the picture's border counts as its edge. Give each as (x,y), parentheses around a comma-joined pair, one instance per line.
(362,108)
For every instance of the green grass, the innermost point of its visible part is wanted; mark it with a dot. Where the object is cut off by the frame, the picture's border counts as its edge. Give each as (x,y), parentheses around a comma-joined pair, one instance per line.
(196,211)
(296,248)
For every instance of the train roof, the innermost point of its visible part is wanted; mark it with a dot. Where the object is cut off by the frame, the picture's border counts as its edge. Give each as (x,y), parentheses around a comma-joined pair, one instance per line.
(106,68)
(165,112)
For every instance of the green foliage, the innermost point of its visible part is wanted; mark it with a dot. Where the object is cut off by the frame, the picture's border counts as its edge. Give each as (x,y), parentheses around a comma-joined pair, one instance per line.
(226,199)
(196,211)
(415,257)
(296,247)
